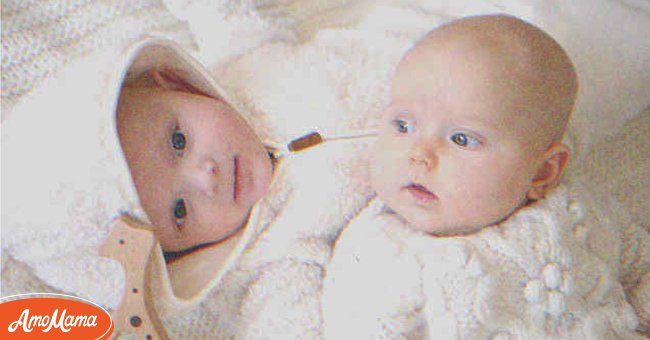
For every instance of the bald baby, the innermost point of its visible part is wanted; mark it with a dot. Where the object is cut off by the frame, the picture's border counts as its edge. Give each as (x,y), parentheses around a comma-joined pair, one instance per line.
(520,64)
(474,129)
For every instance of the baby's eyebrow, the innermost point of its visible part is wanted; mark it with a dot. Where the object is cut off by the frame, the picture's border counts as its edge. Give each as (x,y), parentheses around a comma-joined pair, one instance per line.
(398,104)
(478,121)
(400,110)
(481,131)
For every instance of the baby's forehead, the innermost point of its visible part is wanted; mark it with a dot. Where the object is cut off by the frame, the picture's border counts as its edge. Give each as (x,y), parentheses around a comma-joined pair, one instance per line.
(478,82)
(475,57)
(504,60)
(496,39)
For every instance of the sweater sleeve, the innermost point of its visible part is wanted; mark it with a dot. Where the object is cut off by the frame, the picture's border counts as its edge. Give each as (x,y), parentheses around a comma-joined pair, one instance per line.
(635,272)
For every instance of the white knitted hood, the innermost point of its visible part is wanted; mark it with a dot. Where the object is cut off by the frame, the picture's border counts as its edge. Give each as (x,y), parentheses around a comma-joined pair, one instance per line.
(69,178)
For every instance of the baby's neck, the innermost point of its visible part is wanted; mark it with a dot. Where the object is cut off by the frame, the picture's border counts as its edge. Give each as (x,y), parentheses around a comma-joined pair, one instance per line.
(189,274)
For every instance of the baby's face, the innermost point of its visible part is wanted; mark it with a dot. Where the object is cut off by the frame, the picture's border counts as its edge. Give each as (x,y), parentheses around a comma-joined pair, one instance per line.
(197,165)
(453,153)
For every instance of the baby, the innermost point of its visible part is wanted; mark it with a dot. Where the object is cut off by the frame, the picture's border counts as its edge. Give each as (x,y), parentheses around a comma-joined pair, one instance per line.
(475,125)
(471,234)
(145,130)
(234,215)
(159,141)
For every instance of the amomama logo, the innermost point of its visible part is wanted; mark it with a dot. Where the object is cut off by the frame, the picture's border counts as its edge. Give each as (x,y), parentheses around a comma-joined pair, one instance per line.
(52,316)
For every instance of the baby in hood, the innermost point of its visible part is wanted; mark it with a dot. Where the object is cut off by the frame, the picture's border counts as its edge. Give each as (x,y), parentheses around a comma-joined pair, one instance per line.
(147,132)
(471,234)
(144,132)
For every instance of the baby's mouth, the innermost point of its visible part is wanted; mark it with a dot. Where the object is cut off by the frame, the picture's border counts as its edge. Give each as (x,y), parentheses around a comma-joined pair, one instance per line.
(420,193)
(236,185)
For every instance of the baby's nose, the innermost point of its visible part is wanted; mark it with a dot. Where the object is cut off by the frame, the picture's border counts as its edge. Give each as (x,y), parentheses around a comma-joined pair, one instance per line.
(208,167)
(423,154)
(205,176)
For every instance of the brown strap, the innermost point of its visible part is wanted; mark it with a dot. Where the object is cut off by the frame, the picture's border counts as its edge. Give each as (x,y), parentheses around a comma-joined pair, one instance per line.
(306,141)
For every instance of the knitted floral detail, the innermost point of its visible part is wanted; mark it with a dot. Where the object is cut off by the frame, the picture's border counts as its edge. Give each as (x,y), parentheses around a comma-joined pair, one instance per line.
(577,213)
(549,290)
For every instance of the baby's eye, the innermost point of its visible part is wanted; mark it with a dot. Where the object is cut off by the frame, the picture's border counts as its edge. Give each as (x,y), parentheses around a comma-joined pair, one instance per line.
(402,126)
(178,142)
(179,213)
(465,140)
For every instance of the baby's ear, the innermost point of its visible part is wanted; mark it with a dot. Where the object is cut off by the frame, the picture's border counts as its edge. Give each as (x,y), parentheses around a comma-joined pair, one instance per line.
(170,81)
(554,161)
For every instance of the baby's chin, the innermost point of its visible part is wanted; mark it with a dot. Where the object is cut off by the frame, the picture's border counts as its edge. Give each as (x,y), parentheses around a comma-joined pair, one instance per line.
(450,231)
(437,226)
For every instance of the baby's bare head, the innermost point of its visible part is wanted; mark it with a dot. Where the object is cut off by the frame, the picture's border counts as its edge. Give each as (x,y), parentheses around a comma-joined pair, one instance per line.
(478,110)
(513,63)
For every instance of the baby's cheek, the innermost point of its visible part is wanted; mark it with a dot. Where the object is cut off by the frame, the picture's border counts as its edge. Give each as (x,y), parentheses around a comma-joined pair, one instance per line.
(376,173)
(380,154)
(381,173)
(473,185)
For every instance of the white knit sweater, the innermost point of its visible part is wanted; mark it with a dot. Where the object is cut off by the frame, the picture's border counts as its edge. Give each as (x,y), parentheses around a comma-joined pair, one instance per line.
(552,270)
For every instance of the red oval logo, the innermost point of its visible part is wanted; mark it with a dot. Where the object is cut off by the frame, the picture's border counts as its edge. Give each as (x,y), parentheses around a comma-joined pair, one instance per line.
(53,316)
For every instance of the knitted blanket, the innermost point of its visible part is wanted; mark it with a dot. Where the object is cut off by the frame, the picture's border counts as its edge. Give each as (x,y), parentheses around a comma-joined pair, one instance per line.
(40,38)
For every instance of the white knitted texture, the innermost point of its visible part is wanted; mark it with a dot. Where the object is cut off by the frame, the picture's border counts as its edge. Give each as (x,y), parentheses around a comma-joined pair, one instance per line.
(40,37)
(274,289)
(619,167)
(335,81)
(531,277)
